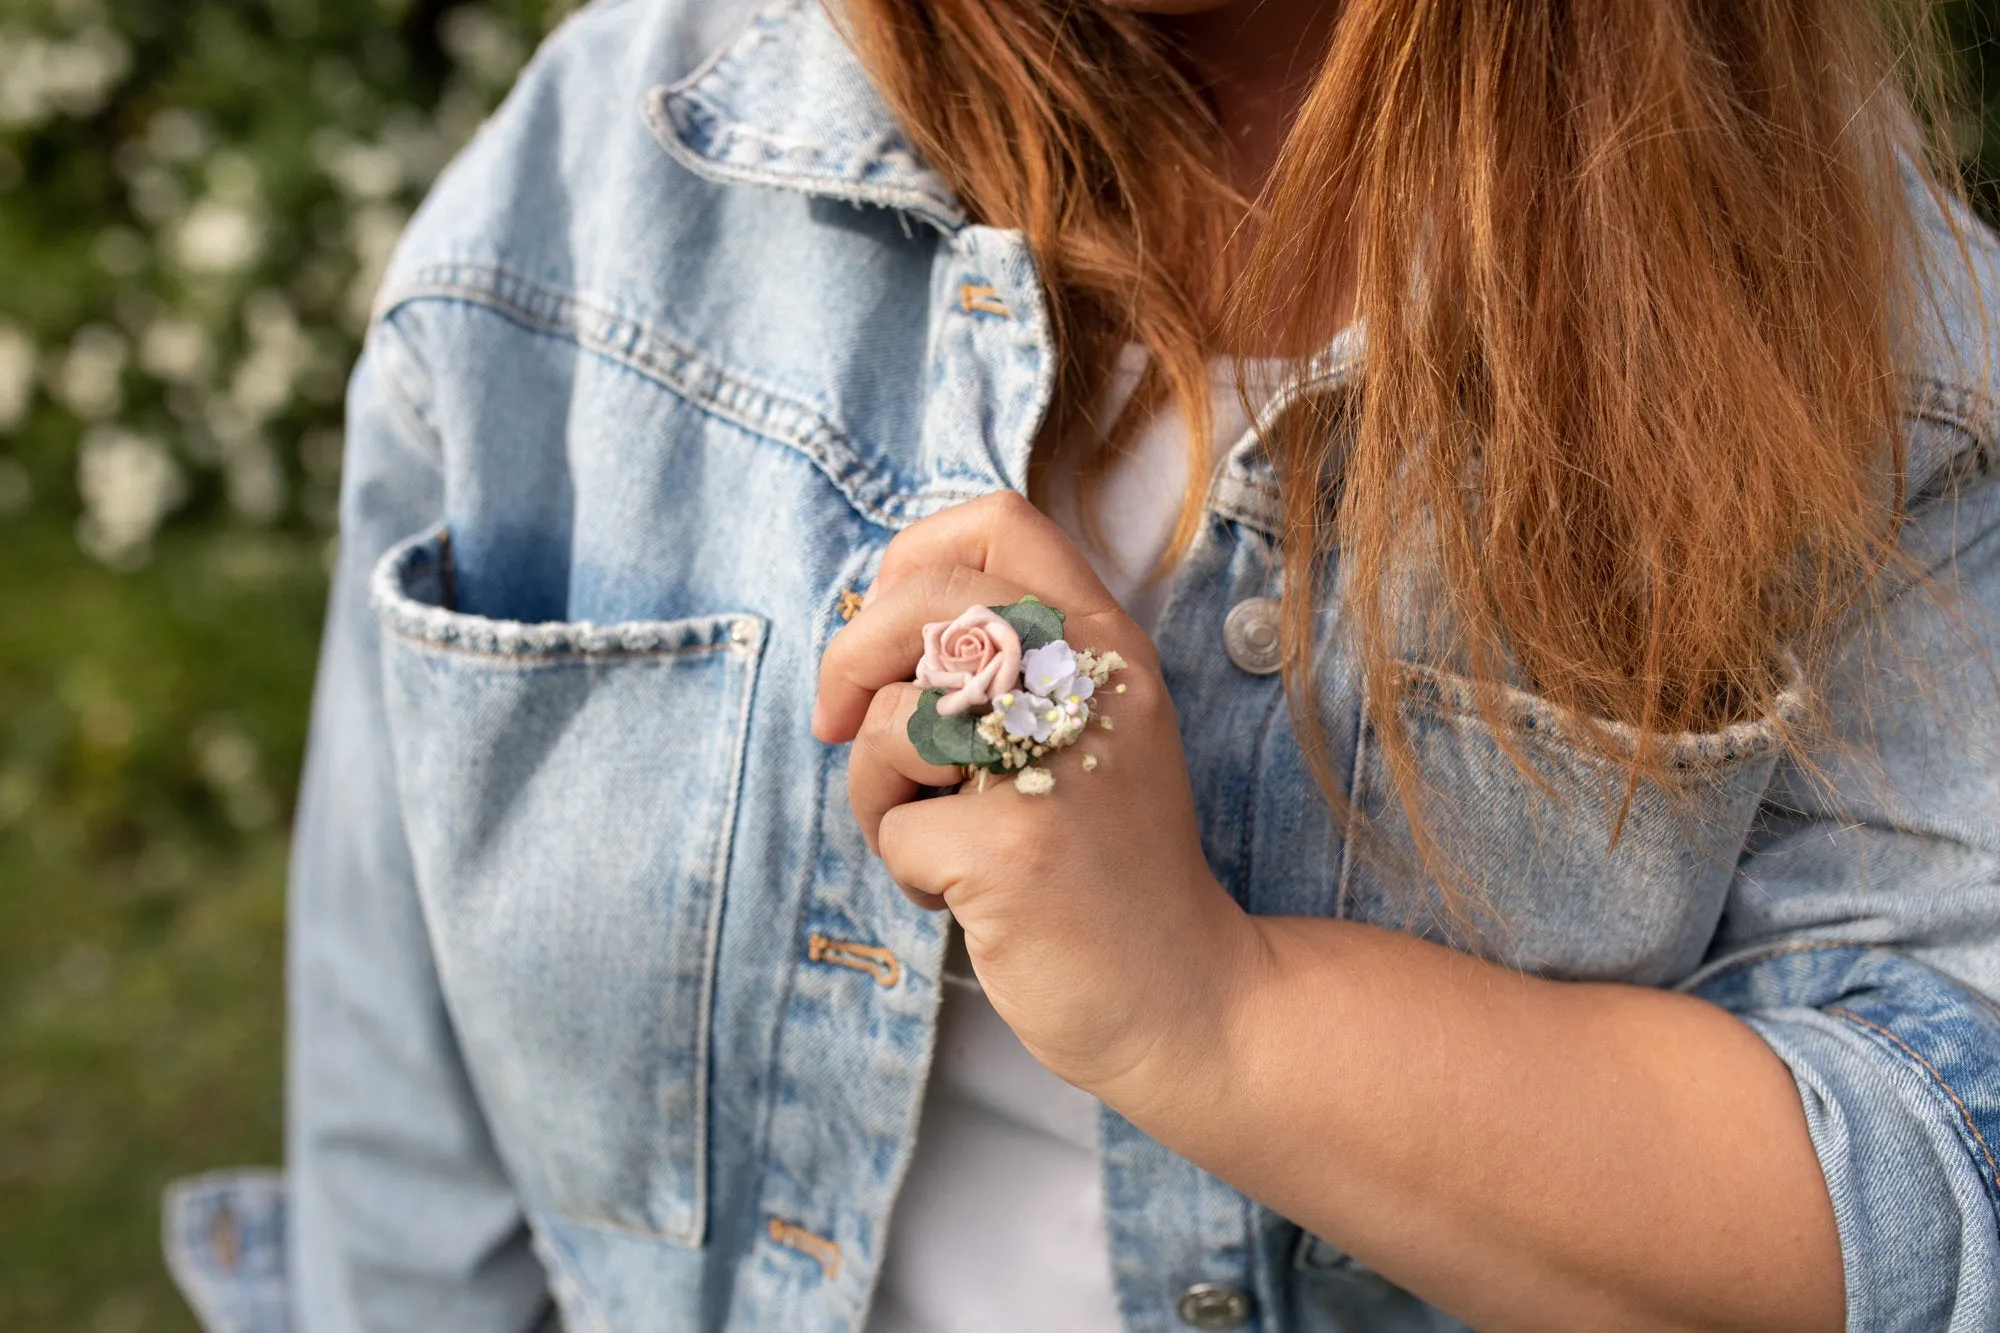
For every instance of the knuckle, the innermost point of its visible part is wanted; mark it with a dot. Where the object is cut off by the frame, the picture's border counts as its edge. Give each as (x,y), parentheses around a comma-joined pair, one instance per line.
(1006,502)
(961,581)
(1146,705)
(864,765)
(882,710)
(861,787)
(1143,707)
(1144,696)
(896,557)
(843,650)
(1016,827)
(892,840)
(938,581)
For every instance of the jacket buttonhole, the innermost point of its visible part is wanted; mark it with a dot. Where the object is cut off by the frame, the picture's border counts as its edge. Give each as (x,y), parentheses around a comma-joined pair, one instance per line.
(871,959)
(814,1246)
(979,298)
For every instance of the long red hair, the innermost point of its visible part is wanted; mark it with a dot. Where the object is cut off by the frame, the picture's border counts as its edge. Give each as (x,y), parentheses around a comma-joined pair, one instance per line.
(1633,278)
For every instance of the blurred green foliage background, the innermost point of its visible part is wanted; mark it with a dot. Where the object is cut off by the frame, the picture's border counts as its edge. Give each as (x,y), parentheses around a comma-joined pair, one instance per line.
(196,199)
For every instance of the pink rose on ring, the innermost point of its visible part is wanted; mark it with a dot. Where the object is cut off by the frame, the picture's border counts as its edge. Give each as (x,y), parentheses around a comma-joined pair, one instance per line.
(972,659)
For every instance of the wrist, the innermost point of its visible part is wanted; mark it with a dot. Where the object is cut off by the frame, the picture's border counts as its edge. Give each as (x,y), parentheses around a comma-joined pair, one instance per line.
(1187,1064)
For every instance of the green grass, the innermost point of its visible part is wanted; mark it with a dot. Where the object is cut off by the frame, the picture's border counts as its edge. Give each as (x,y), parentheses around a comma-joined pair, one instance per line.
(150,729)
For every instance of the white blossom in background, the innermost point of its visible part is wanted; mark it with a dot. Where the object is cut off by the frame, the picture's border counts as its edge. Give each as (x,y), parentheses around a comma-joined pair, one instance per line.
(129,484)
(482,44)
(175,350)
(420,145)
(254,480)
(228,761)
(225,231)
(252,477)
(156,195)
(218,238)
(372,233)
(360,171)
(17,376)
(42,77)
(177,135)
(88,380)
(232,178)
(186,261)
(279,352)
(263,386)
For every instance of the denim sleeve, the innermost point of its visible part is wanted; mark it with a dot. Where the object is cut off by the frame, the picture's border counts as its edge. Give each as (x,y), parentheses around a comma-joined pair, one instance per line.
(394,1212)
(1862,935)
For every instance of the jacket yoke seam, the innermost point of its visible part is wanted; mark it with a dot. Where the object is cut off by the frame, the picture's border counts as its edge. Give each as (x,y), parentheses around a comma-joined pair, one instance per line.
(694,378)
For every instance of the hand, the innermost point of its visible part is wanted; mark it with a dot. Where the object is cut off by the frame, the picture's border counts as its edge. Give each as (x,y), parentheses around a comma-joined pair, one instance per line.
(1089,912)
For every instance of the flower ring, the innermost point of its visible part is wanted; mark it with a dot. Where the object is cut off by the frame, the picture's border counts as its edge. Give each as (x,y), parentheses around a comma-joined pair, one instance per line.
(1002,688)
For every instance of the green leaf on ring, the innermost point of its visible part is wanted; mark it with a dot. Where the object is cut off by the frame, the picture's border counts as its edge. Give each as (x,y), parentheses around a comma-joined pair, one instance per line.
(1038,623)
(948,740)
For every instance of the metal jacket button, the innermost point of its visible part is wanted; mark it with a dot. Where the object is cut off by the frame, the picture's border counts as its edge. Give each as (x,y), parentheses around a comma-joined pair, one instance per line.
(1212,1305)
(1251,638)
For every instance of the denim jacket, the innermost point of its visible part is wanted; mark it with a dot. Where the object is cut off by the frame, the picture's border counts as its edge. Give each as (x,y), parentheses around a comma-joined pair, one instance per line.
(601,1014)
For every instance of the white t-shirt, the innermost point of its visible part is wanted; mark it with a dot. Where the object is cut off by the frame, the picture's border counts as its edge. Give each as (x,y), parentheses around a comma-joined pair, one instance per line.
(1000,1223)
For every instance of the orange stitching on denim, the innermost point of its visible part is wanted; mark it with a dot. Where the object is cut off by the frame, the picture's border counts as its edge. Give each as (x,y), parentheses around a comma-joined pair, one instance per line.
(850,604)
(975,297)
(226,1240)
(873,959)
(805,1242)
(1931,1069)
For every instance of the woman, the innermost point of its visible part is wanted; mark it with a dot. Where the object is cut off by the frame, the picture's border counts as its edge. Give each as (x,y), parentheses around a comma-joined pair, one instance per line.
(1543,869)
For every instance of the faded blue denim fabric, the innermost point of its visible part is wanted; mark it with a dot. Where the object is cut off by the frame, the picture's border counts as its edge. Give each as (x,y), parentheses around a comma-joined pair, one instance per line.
(684,337)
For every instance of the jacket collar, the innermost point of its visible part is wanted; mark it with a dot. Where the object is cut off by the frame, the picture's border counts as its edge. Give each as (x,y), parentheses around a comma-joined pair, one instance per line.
(786,104)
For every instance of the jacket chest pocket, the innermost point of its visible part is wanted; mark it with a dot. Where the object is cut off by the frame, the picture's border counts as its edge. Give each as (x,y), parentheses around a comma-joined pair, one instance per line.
(1568,878)
(569,791)
(1570,874)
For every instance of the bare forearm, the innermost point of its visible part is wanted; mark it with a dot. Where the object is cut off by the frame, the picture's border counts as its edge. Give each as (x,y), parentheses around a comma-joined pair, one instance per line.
(1526,1154)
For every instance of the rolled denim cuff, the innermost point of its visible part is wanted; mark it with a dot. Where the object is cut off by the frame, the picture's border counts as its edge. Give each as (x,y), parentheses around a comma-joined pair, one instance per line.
(1898,1068)
(225,1246)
